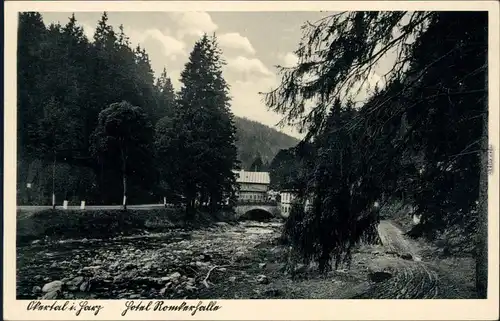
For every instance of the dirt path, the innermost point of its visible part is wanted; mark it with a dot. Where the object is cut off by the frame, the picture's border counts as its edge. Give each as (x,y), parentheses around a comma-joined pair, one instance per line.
(412,278)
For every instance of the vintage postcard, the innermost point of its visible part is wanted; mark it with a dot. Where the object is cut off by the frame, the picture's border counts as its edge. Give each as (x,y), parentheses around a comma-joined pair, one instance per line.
(253,160)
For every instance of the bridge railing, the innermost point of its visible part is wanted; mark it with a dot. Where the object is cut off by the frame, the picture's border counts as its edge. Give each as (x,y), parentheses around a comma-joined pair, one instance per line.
(257,202)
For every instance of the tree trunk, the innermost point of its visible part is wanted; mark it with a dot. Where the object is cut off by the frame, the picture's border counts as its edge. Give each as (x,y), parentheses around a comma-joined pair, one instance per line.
(124,191)
(54,182)
(124,176)
(190,201)
(482,228)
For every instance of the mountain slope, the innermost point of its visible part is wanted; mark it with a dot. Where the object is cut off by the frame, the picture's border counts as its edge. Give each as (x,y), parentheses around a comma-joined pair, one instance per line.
(254,138)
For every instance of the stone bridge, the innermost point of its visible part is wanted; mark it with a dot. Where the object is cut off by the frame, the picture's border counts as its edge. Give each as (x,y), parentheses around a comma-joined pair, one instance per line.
(257,210)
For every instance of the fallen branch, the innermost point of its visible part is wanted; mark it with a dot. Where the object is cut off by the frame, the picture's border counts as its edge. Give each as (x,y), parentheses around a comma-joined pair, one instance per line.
(205,281)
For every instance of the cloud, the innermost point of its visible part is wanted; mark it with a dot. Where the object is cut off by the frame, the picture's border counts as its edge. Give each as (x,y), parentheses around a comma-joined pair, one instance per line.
(175,76)
(236,41)
(171,47)
(289,59)
(247,102)
(88,31)
(367,89)
(193,23)
(248,66)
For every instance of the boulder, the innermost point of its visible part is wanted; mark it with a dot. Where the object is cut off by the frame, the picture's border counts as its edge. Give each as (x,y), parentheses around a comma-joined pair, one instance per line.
(85,286)
(52,286)
(75,281)
(52,295)
(262,279)
(379,276)
(273,293)
(407,256)
(300,268)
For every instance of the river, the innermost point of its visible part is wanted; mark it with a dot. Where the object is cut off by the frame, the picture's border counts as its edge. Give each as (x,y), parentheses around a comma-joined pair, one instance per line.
(171,264)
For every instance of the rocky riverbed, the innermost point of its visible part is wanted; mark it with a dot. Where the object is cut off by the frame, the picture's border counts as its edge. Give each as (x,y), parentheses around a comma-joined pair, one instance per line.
(173,264)
(241,260)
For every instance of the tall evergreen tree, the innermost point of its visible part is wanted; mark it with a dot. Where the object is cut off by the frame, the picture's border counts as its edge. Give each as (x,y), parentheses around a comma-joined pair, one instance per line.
(165,96)
(31,34)
(202,129)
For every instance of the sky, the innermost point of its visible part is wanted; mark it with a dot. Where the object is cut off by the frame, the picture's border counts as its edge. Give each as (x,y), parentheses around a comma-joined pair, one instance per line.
(253,43)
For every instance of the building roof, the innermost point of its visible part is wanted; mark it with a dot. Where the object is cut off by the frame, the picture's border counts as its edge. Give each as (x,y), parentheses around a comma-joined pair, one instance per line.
(252,177)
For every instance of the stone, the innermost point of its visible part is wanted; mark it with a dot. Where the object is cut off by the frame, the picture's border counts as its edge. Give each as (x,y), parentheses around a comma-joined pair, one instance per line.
(273,293)
(262,265)
(175,276)
(190,287)
(51,295)
(85,286)
(232,279)
(300,268)
(262,279)
(407,256)
(379,276)
(376,252)
(76,281)
(36,289)
(35,242)
(89,268)
(52,286)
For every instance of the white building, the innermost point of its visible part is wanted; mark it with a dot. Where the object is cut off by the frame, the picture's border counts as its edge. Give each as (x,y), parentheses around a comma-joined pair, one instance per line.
(253,186)
(287,197)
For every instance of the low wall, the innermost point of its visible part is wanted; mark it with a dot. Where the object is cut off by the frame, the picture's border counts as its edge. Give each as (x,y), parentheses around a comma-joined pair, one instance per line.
(105,223)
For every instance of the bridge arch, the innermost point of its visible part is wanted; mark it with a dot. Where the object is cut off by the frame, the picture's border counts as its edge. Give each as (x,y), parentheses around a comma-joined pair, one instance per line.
(257,214)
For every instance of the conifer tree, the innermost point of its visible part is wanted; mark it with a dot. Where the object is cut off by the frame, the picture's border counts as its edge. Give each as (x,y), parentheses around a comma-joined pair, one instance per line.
(165,96)
(202,129)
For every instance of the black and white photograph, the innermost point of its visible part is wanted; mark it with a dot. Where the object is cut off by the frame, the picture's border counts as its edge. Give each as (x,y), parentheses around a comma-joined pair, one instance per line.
(224,155)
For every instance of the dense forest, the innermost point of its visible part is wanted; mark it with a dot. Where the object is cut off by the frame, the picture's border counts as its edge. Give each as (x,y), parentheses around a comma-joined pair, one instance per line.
(421,139)
(95,124)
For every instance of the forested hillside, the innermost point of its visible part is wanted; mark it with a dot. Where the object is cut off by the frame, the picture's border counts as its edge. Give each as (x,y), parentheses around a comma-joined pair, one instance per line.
(254,138)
